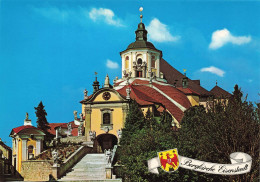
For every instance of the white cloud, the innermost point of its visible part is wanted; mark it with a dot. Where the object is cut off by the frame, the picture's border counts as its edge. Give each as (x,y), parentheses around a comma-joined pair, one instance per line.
(159,32)
(221,37)
(53,13)
(107,15)
(112,65)
(214,70)
(250,80)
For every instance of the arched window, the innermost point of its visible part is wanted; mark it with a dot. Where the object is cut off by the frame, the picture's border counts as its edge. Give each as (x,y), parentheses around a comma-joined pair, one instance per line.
(126,62)
(139,61)
(30,152)
(106,118)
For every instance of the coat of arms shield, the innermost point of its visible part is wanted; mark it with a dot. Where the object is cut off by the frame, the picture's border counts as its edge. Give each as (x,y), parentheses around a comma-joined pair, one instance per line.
(169,160)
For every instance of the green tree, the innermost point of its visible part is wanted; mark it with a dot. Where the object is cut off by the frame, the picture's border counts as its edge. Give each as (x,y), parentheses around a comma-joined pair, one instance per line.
(223,129)
(143,138)
(41,114)
(42,122)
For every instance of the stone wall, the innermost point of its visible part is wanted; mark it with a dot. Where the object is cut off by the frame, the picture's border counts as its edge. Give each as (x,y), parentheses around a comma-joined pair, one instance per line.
(74,139)
(35,170)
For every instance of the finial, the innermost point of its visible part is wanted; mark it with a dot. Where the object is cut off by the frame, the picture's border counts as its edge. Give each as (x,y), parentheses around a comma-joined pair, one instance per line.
(184,70)
(96,73)
(141,16)
(85,94)
(216,82)
(26,116)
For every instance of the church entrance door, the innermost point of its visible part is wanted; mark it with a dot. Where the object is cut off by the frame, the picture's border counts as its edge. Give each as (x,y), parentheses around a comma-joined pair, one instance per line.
(106,141)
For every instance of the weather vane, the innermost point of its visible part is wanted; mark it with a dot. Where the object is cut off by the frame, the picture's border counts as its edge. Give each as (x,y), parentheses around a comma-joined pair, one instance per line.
(141,16)
(96,73)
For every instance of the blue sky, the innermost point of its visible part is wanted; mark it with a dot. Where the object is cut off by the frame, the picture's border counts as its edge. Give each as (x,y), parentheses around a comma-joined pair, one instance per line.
(49,50)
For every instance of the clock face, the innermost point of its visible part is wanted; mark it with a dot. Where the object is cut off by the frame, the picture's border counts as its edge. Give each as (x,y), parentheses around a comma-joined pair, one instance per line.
(106,95)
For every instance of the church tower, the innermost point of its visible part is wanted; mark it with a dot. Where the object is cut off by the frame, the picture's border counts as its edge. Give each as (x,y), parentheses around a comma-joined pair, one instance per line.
(141,59)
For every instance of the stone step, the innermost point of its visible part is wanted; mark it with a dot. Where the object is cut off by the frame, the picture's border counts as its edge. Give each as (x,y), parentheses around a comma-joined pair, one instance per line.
(97,180)
(101,180)
(88,173)
(89,168)
(83,178)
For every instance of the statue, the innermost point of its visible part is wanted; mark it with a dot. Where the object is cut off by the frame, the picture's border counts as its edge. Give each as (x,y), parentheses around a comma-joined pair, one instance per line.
(80,129)
(81,117)
(124,73)
(92,135)
(85,94)
(75,113)
(55,158)
(108,154)
(130,74)
(69,129)
(128,91)
(26,116)
(127,80)
(119,133)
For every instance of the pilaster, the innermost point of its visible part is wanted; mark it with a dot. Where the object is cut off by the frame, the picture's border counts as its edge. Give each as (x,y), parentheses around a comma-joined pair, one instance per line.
(38,147)
(24,149)
(88,111)
(149,63)
(125,111)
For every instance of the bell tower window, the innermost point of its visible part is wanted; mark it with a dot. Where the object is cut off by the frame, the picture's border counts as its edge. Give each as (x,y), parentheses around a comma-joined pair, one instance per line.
(126,62)
(139,61)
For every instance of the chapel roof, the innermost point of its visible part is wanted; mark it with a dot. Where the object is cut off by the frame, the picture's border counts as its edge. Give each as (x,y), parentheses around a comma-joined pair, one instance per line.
(146,93)
(28,129)
(219,92)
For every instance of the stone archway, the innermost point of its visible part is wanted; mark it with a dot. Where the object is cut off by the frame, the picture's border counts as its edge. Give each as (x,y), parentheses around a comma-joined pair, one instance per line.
(106,141)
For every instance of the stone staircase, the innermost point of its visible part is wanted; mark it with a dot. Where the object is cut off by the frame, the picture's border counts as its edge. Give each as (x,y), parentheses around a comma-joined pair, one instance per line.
(90,168)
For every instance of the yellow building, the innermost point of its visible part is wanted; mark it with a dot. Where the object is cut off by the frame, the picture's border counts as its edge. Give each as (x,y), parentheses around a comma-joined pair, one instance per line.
(105,112)
(27,143)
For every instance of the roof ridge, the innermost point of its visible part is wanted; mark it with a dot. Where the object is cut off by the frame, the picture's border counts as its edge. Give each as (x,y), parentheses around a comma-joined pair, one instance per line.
(170,99)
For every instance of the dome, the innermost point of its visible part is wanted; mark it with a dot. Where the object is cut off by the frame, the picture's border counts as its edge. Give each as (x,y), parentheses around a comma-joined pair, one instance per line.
(141,44)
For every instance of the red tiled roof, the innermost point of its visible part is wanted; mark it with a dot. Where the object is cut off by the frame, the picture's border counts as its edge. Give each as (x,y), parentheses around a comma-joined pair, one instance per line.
(219,92)
(171,107)
(188,91)
(175,94)
(171,74)
(144,94)
(52,126)
(20,128)
(65,125)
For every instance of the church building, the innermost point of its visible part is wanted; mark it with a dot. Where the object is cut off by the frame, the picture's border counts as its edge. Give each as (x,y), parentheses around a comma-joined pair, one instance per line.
(148,79)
